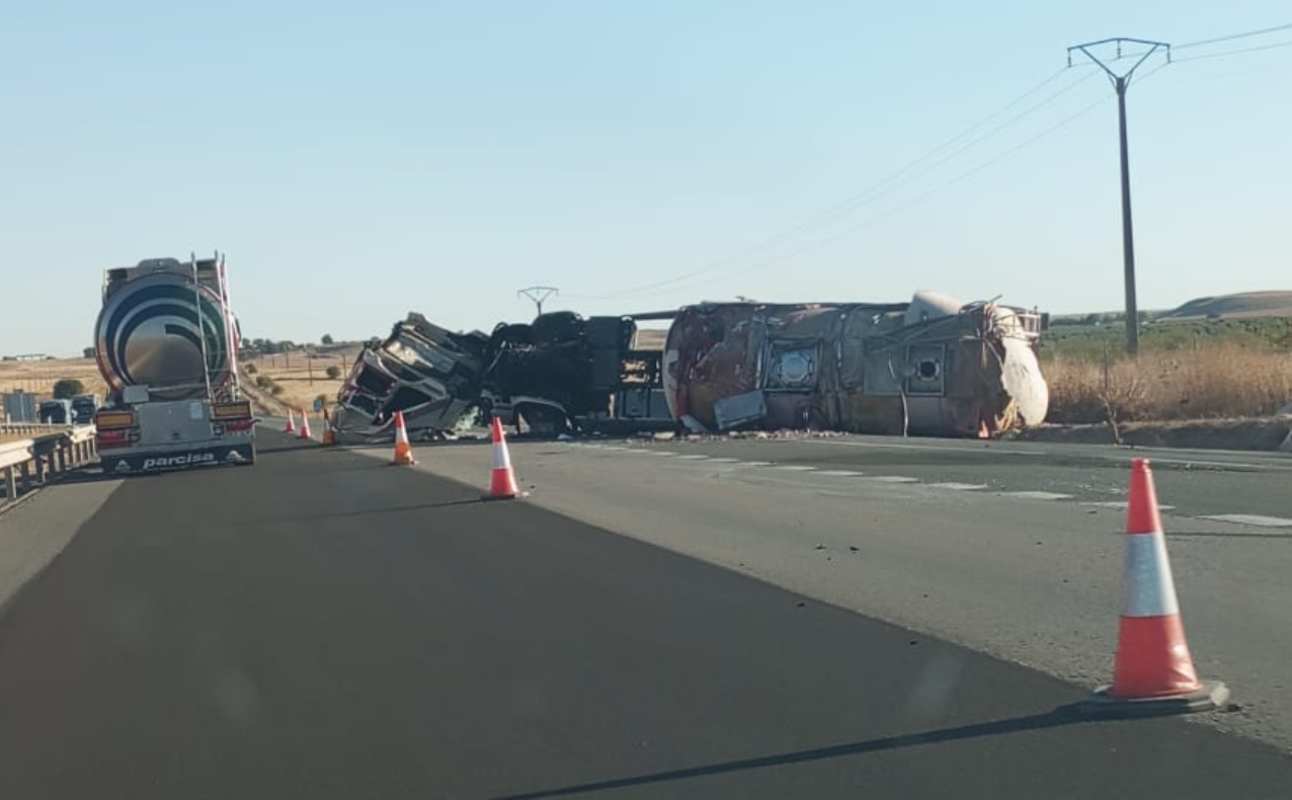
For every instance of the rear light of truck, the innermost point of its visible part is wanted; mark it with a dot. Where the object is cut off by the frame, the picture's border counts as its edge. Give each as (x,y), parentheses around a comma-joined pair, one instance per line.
(112,420)
(239,410)
(239,425)
(120,437)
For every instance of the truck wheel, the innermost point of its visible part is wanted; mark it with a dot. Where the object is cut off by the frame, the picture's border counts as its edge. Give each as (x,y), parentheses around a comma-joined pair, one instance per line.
(543,420)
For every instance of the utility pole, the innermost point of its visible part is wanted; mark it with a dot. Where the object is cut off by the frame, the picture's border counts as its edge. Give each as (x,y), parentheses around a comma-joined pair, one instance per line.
(538,294)
(1120,84)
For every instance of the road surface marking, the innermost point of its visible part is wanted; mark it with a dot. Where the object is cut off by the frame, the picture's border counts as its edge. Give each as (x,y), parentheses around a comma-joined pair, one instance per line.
(1038,495)
(893,479)
(725,460)
(1252,519)
(795,467)
(935,448)
(694,457)
(1120,505)
(958,487)
(754,463)
(842,473)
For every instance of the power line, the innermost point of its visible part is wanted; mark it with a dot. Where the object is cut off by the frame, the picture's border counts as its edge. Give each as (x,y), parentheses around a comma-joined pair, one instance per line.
(881,188)
(1239,51)
(919,199)
(1233,36)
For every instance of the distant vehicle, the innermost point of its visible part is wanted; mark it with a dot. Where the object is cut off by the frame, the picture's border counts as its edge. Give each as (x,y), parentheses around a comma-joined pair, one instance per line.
(20,407)
(84,407)
(166,343)
(56,412)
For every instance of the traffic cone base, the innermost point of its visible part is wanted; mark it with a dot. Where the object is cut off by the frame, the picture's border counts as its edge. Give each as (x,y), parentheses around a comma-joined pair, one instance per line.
(1152,669)
(291,423)
(305,427)
(1210,696)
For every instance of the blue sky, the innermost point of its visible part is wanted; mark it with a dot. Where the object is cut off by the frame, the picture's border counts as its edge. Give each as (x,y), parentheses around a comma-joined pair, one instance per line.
(360,161)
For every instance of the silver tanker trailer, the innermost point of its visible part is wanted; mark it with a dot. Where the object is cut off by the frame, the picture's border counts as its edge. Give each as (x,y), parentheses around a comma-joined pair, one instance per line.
(166,343)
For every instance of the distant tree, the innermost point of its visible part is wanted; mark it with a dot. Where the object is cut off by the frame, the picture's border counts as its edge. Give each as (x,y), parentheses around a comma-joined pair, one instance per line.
(334,372)
(87,352)
(67,388)
(327,338)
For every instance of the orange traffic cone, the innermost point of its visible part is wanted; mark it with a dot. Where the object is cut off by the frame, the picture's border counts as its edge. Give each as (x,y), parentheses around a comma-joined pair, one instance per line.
(403,450)
(305,426)
(502,481)
(329,435)
(291,423)
(1152,671)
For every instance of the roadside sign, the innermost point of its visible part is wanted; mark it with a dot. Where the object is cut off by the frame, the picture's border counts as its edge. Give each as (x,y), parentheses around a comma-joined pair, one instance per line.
(318,404)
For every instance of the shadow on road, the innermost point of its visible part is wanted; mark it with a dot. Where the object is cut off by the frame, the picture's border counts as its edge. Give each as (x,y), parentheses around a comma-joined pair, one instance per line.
(1064,715)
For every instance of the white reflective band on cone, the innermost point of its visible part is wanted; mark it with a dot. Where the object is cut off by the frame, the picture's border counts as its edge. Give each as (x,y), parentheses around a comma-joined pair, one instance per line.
(501,459)
(1147,587)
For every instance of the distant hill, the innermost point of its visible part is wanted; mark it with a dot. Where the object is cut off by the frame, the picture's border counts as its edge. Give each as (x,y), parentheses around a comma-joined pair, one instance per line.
(1246,305)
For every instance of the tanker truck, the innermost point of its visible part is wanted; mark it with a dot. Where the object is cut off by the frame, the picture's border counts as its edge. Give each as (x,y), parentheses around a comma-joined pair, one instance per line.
(166,344)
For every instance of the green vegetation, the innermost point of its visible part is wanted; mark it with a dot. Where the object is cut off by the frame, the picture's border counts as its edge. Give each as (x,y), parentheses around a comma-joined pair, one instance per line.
(67,388)
(334,372)
(1090,341)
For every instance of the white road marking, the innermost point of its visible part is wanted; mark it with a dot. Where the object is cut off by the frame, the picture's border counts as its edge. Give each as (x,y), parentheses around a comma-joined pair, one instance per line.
(662,453)
(754,463)
(694,457)
(1120,505)
(725,460)
(795,467)
(1252,519)
(934,448)
(842,473)
(958,487)
(1038,495)
(893,479)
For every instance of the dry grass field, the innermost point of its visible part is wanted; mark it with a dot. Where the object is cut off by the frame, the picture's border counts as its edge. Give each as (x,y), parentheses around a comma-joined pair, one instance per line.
(301,379)
(39,377)
(1223,380)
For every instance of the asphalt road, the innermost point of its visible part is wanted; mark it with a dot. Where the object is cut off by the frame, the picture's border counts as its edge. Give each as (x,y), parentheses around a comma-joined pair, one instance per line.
(963,541)
(323,625)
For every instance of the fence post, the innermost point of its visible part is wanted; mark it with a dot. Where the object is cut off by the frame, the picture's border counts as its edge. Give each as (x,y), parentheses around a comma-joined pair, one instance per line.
(11,485)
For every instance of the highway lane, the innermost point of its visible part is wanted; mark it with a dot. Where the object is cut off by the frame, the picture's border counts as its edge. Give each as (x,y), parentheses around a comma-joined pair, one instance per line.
(323,625)
(1029,580)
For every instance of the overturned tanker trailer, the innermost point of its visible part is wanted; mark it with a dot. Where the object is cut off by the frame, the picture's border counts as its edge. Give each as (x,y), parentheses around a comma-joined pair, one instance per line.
(933,366)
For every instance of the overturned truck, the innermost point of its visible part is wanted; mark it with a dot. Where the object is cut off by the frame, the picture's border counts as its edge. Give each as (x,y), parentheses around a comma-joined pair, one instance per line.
(560,373)
(933,366)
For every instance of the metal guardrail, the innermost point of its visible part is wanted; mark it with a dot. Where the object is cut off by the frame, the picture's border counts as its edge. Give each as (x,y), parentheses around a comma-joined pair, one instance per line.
(48,453)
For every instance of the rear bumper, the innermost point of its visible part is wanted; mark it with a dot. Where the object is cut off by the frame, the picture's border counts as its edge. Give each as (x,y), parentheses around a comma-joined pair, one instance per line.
(133,460)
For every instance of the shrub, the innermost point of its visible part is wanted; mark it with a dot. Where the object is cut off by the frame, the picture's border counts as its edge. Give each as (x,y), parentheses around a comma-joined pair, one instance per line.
(251,369)
(264,381)
(67,388)
(276,389)
(334,372)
